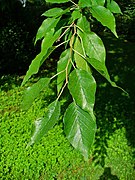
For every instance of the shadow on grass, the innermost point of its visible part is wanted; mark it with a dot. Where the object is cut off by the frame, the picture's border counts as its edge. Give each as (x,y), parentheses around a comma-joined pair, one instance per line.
(108,175)
(113,108)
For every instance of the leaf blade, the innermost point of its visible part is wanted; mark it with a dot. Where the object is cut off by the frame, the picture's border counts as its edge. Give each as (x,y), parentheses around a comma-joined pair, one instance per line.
(44,124)
(31,93)
(104,16)
(82,87)
(79,128)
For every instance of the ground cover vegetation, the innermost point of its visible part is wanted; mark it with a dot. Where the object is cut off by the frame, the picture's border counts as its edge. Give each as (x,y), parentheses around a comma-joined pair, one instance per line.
(112,155)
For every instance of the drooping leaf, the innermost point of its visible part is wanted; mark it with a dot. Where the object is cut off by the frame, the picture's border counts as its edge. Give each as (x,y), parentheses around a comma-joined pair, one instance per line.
(79,128)
(61,67)
(81,63)
(44,124)
(104,16)
(45,27)
(82,87)
(46,49)
(57,1)
(85,3)
(33,92)
(113,7)
(101,68)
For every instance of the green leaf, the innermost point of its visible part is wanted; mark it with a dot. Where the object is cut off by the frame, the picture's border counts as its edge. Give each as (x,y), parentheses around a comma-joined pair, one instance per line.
(57,1)
(31,93)
(94,46)
(101,68)
(113,7)
(53,12)
(45,27)
(61,67)
(76,14)
(81,63)
(46,49)
(84,24)
(79,128)
(104,16)
(100,2)
(84,3)
(82,87)
(44,124)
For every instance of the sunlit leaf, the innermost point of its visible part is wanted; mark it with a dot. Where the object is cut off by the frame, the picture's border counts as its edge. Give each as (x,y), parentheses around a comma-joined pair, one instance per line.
(94,46)
(45,27)
(82,87)
(79,128)
(104,16)
(33,92)
(44,124)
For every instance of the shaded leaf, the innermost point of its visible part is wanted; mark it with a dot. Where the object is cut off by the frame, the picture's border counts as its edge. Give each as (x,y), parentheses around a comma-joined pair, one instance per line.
(44,124)
(84,24)
(61,67)
(101,68)
(53,12)
(113,7)
(85,3)
(31,93)
(100,2)
(104,16)
(76,14)
(81,63)
(82,87)
(46,49)
(79,128)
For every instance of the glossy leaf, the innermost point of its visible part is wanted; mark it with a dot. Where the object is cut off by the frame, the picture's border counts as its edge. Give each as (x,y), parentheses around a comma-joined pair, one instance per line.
(57,1)
(94,46)
(31,93)
(113,7)
(44,124)
(79,128)
(45,27)
(82,87)
(61,67)
(81,63)
(104,16)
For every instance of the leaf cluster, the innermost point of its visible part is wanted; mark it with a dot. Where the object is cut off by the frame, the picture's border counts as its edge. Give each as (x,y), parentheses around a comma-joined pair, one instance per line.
(83,50)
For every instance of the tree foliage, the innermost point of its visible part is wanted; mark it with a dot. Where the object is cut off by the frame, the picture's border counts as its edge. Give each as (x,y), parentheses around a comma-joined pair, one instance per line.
(68,25)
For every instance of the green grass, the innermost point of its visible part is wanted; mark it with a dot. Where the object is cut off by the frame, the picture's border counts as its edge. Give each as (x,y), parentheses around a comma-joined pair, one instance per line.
(113,154)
